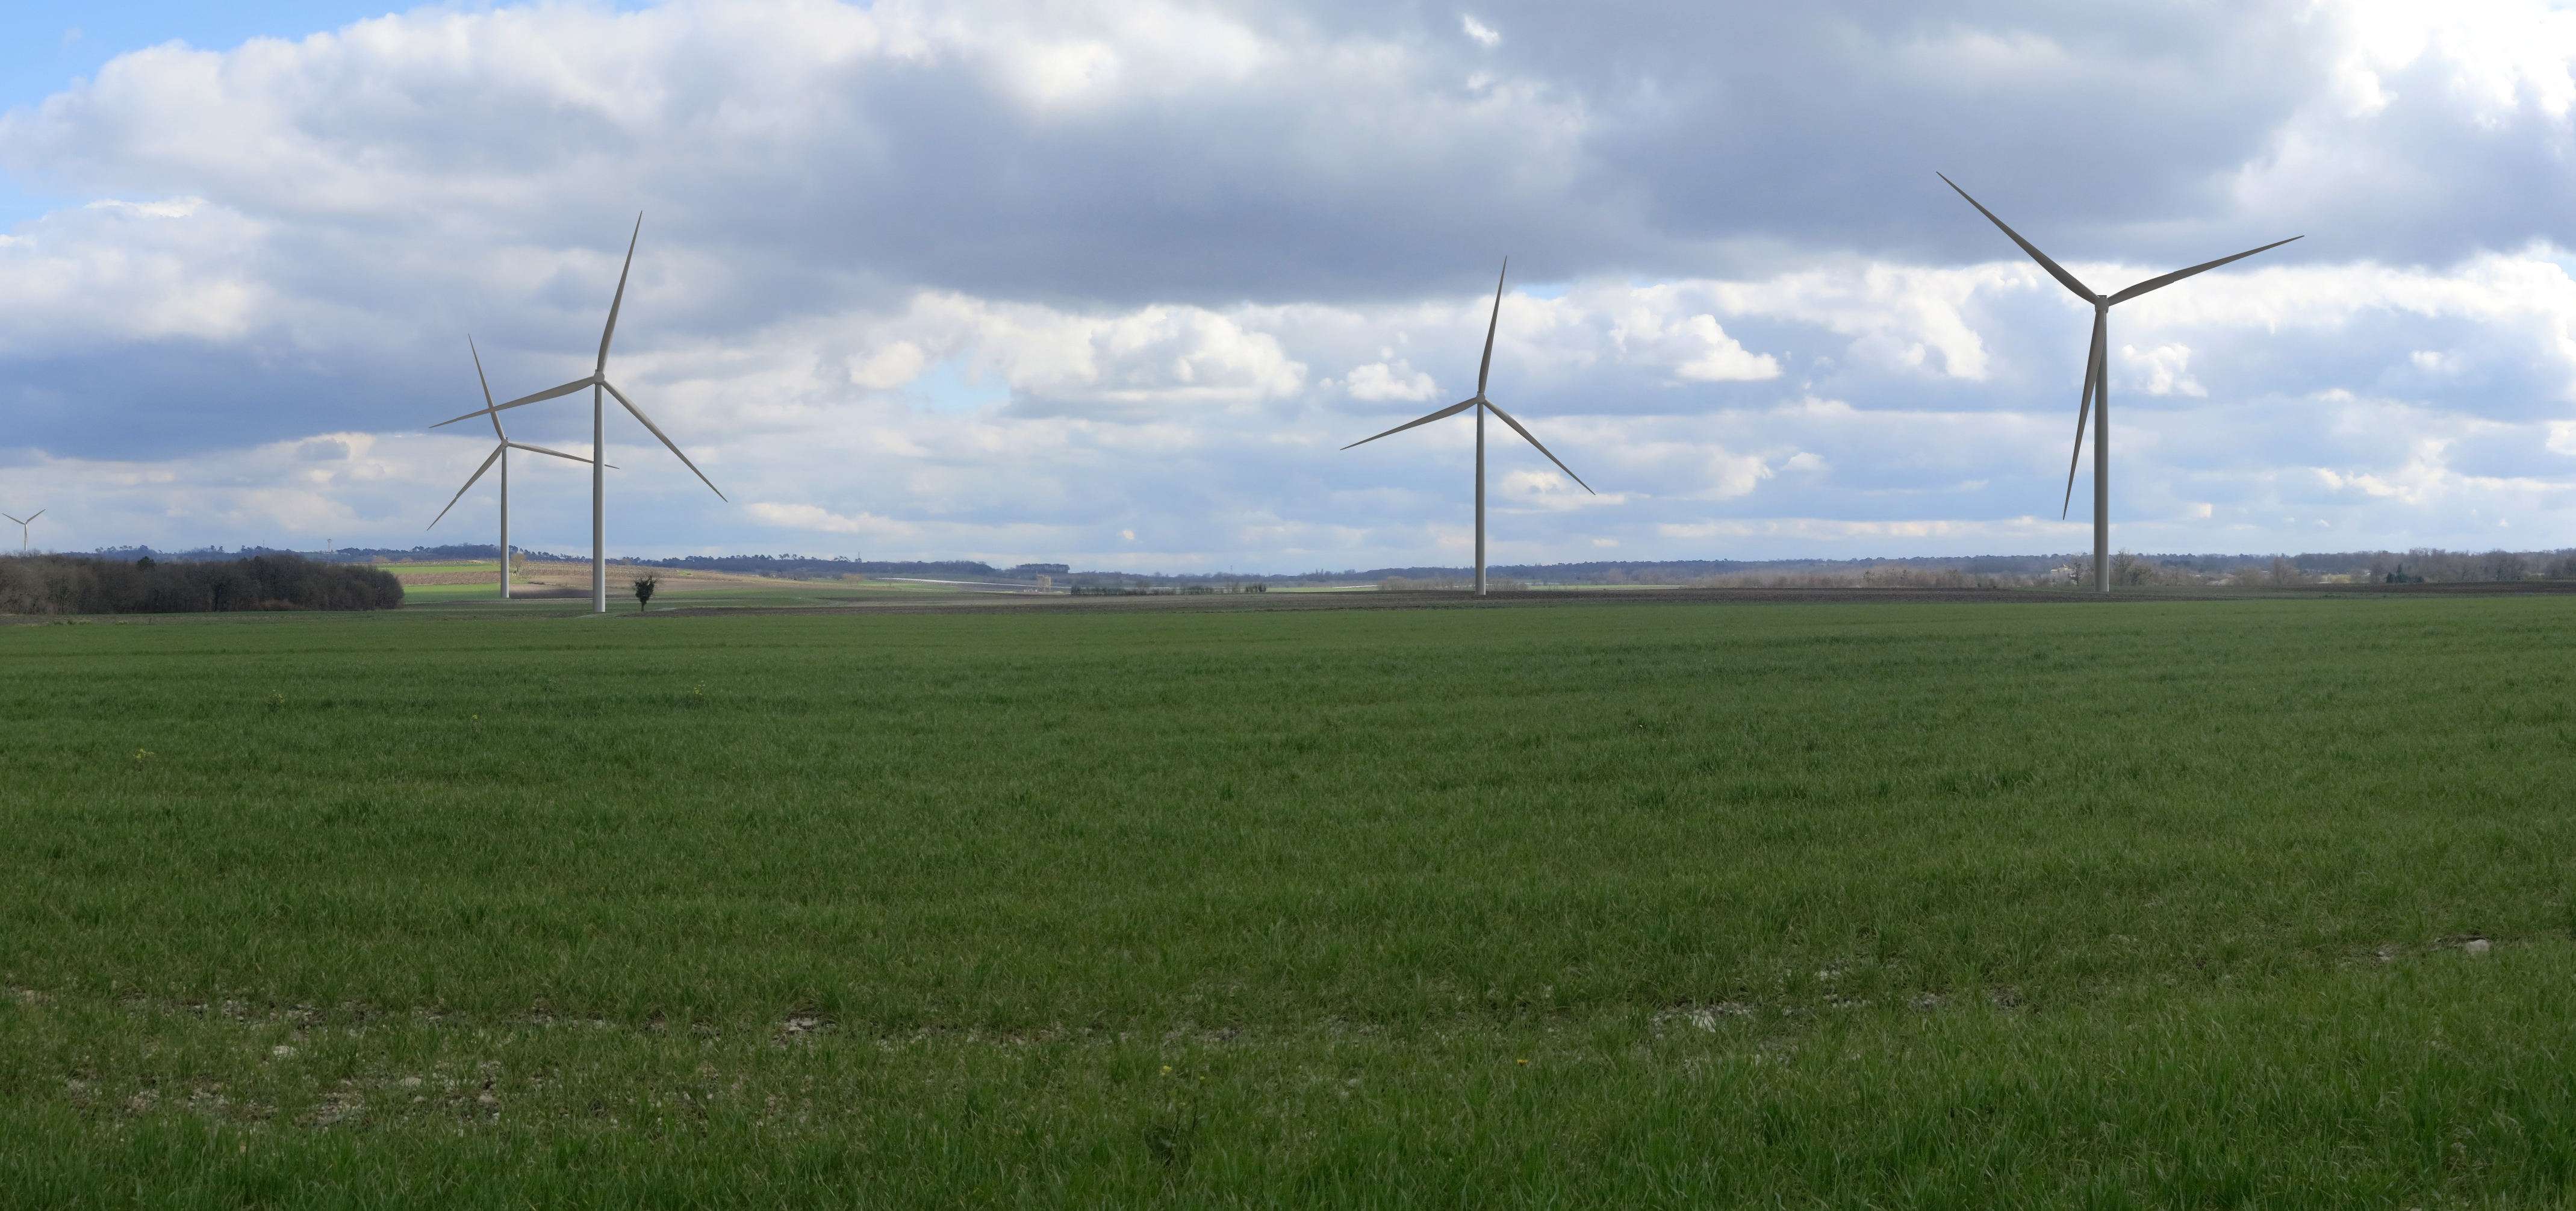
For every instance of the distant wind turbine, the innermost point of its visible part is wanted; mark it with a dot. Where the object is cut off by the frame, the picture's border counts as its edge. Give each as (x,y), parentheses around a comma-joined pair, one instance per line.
(22,527)
(597,381)
(500,454)
(2097,378)
(1482,405)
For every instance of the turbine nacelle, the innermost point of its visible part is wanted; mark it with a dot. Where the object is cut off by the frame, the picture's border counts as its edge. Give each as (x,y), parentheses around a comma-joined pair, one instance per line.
(1478,401)
(596,379)
(1484,370)
(23,523)
(2097,377)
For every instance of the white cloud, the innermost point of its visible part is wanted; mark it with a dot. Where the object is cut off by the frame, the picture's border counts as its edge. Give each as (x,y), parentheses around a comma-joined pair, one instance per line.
(2162,370)
(1898,317)
(1691,348)
(824,521)
(1478,30)
(1379,381)
(889,367)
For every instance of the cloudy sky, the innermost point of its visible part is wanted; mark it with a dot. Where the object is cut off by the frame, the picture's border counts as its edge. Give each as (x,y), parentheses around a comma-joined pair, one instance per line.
(1109,283)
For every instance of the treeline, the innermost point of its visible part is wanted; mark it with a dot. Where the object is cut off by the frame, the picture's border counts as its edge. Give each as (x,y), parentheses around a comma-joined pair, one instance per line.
(790,567)
(1659,571)
(74,584)
(2422,565)
(2429,564)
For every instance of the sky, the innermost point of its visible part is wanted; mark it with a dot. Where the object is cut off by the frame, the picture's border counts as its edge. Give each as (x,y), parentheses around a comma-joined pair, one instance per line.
(1111,283)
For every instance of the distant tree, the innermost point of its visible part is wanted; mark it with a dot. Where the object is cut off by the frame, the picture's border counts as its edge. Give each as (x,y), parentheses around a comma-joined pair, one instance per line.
(61,584)
(644,586)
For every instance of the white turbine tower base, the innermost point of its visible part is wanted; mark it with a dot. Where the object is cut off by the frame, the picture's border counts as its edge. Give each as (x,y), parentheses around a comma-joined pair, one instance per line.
(501,454)
(1483,405)
(2096,398)
(597,382)
(23,523)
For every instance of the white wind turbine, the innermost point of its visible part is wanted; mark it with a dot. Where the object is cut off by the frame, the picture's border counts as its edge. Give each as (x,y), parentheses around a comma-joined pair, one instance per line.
(1482,405)
(597,381)
(22,527)
(2097,378)
(500,454)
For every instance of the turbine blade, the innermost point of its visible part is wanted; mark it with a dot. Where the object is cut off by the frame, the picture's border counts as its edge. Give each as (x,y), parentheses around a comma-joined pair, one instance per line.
(538,398)
(1451,410)
(620,298)
(2179,274)
(20,520)
(33,516)
(1525,436)
(488,460)
(666,442)
(2054,269)
(487,387)
(557,453)
(2083,410)
(1486,366)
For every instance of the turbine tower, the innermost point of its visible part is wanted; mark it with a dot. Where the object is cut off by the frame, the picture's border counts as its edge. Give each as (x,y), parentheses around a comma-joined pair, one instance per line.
(1483,405)
(500,454)
(2096,398)
(22,527)
(597,381)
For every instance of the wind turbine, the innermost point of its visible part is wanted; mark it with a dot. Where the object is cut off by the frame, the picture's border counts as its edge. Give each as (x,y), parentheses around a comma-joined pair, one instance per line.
(1482,405)
(22,527)
(500,454)
(597,381)
(2097,378)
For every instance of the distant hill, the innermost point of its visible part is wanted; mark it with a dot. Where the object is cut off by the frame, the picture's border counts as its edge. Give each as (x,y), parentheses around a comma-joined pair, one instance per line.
(2425,563)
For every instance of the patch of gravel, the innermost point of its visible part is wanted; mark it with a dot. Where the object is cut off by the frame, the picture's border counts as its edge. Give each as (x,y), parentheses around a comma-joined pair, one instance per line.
(1700,1017)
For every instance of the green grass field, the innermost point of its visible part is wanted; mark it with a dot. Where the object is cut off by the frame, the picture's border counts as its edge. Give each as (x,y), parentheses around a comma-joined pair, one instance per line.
(1621,903)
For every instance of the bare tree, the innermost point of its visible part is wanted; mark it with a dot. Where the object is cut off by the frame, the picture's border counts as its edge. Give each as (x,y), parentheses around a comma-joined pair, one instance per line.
(644,586)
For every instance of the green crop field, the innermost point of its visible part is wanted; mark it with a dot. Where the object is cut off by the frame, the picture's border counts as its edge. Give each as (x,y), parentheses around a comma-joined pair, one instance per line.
(1620,903)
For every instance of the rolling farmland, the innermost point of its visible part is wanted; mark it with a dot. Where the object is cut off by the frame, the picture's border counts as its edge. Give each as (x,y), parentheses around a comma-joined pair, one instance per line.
(1643,903)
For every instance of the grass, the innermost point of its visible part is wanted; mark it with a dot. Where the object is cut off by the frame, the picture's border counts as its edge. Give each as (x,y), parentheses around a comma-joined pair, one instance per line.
(2140,904)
